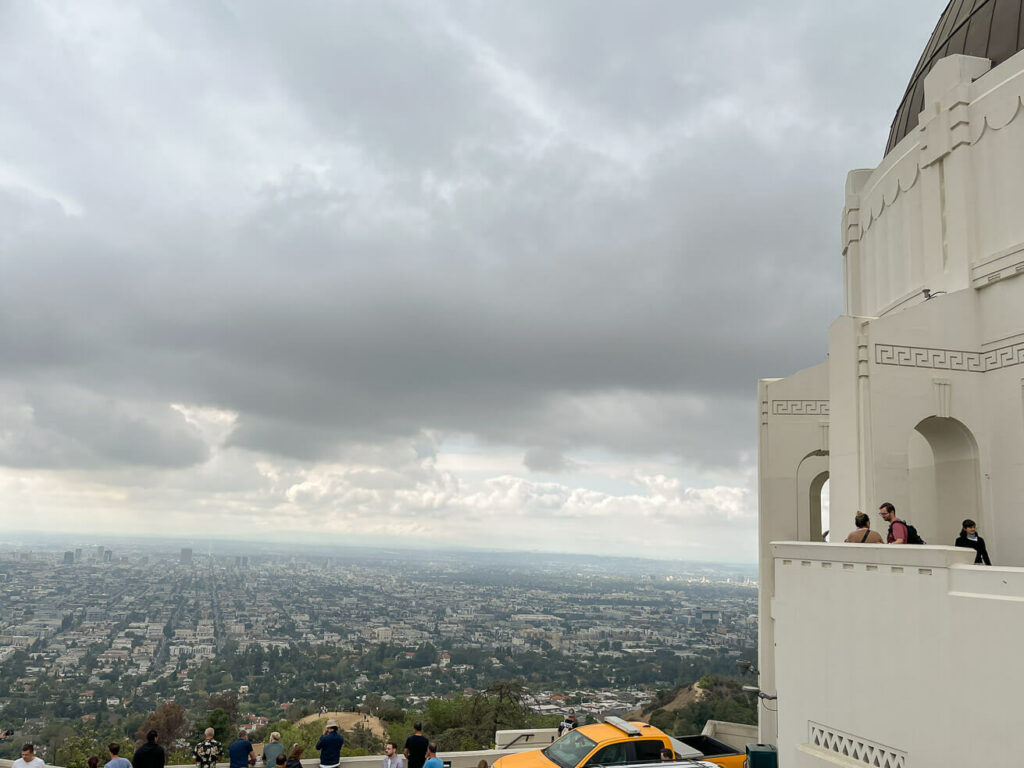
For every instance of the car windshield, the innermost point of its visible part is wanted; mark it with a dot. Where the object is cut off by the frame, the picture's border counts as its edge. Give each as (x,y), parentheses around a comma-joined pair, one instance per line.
(569,750)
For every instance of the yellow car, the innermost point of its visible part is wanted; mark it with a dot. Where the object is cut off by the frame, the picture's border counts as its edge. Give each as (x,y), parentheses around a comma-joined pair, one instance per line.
(617,742)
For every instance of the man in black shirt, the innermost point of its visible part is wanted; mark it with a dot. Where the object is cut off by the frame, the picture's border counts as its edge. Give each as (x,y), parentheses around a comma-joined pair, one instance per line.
(416,747)
(150,754)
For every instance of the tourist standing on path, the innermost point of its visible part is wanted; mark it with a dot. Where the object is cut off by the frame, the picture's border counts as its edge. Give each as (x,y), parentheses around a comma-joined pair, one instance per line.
(416,747)
(116,761)
(28,758)
(863,534)
(391,757)
(969,538)
(150,754)
(272,749)
(240,753)
(207,752)
(433,761)
(330,746)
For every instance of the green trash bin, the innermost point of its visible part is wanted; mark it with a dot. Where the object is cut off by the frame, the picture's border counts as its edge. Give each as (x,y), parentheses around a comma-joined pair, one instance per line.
(761,756)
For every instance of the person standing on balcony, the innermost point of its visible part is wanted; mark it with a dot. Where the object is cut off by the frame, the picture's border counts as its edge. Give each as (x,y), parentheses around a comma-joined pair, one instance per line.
(116,761)
(969,538)
(863,534)
(433,761)
(391,757)
(150,754)
(28,758)
(330,745)
(240,753)
(897,528)
(416,747)
(206,753)
(272,749)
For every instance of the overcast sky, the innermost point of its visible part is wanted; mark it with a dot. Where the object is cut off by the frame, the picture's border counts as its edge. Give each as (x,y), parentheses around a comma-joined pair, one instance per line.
(427,274)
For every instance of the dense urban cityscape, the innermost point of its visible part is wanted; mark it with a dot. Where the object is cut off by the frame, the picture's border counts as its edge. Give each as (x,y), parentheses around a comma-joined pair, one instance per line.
(94,633)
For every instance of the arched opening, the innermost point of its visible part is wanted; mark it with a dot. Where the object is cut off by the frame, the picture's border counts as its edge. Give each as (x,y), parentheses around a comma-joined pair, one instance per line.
(824,502)
(944,475)
(818,490)
(811,479)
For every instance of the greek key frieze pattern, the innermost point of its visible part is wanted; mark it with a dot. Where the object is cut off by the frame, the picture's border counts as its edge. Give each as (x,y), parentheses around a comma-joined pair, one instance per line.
(854,747)
(950,359)
(799,407)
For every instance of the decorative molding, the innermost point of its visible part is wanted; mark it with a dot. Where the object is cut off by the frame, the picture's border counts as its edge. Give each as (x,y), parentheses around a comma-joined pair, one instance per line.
(1000,266)
(799,407)
(854,747)
(950,359)
(962,118)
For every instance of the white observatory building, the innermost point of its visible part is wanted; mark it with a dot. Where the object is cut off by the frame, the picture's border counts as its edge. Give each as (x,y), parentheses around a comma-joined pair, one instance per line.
(910,656)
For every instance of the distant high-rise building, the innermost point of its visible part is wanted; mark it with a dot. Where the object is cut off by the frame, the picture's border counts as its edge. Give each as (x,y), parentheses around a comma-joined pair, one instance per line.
(98,553)
(69,558)
(108,555)
(186,555)
(78,555)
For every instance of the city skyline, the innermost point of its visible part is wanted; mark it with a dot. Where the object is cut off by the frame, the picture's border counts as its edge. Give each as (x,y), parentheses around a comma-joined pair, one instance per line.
(465,275)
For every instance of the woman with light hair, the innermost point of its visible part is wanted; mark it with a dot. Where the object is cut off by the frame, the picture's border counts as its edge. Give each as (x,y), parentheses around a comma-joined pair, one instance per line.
(272,749)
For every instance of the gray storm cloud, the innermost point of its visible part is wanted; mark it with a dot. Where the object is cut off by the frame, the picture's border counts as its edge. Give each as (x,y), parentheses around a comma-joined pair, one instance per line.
(560,228)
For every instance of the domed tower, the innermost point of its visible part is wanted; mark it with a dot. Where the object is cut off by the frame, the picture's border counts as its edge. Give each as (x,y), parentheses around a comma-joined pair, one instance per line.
(921,404)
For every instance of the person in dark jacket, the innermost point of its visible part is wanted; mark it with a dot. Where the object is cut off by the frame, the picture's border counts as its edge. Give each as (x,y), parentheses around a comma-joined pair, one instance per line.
(295,757)
(150,754)
(330,745)
(969,538)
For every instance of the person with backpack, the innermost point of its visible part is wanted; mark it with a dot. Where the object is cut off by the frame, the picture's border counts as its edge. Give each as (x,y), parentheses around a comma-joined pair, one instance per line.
(900,531)
(863,533)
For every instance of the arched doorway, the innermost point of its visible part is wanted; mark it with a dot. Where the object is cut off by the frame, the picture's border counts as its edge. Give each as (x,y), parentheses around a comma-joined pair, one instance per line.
(823,505)
(812,478)
(944,475)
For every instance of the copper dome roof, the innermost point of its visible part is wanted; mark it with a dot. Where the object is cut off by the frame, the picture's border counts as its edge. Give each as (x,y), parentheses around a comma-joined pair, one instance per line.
(992,29)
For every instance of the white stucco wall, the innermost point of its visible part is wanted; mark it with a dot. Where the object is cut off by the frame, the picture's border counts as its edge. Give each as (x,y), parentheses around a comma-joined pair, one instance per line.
(907,648)
(924,407)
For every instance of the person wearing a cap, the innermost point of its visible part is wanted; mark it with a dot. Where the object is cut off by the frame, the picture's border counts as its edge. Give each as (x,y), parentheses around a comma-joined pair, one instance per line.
(568,724)
(330,746)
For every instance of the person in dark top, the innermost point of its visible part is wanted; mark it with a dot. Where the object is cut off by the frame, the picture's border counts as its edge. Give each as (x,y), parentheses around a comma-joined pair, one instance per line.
(330,745)
(240,753)
(150,754)
(295,757)
(969,538)
(416,747)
